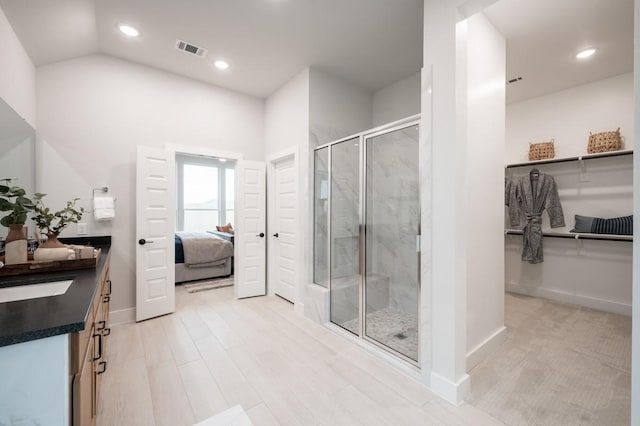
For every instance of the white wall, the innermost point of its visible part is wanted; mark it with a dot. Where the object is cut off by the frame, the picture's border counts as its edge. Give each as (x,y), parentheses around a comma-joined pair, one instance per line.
(287,115)
(396,101)
(95,110)
(17,74)
(287,129)
(336,108)
(569,115)
(443,295)
(485,116)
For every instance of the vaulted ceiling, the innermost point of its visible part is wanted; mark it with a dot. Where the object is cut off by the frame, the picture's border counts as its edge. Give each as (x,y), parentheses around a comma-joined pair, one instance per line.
(370,43)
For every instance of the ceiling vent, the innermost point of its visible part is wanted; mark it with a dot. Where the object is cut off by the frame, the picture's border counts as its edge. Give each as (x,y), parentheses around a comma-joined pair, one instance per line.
(190,48)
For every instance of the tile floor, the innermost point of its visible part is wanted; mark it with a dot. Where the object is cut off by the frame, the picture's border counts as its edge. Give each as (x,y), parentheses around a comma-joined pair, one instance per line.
(216,352)
(561,365)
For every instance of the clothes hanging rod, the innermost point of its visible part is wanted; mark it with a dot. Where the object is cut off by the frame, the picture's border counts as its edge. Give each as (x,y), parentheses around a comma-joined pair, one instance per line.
(567,159)
(576,236)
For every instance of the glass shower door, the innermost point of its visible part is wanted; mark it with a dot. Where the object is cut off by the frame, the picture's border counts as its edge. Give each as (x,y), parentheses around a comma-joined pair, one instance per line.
(392,218)
(344,231)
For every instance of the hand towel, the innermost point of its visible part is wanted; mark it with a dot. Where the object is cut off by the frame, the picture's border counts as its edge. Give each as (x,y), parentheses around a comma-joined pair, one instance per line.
(103,203)
(104,214)
(104,208)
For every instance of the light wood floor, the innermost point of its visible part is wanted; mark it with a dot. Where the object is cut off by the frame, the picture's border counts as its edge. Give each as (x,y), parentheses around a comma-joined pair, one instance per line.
(216,352)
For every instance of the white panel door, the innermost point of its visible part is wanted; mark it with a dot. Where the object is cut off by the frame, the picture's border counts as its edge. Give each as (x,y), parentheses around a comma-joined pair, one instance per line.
(155,216)
(284,232)
(250,247)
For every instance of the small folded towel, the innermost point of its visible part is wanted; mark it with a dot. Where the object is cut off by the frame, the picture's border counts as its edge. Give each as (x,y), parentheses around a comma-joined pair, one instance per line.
(104,208)
(104,214)
(103,203)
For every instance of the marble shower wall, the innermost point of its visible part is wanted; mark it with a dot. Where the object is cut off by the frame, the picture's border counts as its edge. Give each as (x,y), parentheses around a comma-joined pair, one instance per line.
(320,217)
(344,218)
(393,209)
(344,222)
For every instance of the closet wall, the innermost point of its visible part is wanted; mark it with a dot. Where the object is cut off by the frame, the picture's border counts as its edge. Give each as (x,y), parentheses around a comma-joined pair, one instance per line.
(595,274)
(569,115)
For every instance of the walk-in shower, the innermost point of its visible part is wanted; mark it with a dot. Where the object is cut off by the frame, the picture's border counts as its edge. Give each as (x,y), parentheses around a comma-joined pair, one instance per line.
(367,226)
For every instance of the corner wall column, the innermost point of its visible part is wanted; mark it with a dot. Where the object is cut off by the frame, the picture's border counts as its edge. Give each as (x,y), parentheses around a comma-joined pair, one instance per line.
(443,210)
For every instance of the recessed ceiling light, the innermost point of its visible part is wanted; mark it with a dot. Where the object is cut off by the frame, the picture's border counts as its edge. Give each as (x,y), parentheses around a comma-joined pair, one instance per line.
(128,30)
(221,64)
(222,160)
(583,54)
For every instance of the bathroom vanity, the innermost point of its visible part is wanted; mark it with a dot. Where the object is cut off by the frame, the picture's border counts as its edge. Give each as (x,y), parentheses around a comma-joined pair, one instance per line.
(52,348)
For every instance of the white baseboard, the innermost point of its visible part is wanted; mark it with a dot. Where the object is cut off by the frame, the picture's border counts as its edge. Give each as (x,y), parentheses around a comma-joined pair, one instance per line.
(453,392)
(122,316)
(480,352)
(574,299)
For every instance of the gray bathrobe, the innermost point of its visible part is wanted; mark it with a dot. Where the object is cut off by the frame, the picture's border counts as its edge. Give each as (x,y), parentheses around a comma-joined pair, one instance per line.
(527,201)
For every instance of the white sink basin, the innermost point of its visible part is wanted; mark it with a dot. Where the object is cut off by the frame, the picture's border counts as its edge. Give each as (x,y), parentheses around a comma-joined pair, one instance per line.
(33,291)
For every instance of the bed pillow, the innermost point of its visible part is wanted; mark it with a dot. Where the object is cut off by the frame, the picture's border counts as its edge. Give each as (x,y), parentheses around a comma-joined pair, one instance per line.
(225,228)
(595,225)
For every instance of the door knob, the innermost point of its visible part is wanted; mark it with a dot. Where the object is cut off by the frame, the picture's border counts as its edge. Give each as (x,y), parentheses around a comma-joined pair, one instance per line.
(261,235)
(142,241)
(276,235)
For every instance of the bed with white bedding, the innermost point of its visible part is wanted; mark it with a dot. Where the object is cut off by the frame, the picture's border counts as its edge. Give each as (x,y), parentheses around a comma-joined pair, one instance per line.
(202,255)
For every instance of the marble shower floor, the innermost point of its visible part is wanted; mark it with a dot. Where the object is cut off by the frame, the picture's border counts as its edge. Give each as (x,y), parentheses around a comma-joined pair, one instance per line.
(393,328)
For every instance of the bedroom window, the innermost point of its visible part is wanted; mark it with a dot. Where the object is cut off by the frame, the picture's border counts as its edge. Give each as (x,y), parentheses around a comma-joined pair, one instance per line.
(205,193)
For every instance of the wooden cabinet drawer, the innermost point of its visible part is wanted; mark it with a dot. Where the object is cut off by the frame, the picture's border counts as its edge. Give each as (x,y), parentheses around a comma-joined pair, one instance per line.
(84,389)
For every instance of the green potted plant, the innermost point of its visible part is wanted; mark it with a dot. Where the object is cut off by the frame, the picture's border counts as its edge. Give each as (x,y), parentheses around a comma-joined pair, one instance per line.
(13,200)
(51,224)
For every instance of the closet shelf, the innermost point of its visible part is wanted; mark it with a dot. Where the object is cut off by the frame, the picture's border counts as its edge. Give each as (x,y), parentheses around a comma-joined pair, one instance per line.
(567,159)
(576,236)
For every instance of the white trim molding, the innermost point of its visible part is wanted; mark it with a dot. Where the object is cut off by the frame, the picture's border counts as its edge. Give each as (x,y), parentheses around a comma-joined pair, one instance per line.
(203,150)
(122,316)
(484,349)
(571,298)
(453,392)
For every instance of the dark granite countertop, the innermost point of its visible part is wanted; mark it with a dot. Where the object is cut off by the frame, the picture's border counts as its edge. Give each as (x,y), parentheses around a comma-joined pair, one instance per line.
(25,320)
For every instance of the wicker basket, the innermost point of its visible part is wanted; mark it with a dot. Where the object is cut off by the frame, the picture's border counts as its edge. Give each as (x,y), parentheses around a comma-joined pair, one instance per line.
(541,150)
(604,142)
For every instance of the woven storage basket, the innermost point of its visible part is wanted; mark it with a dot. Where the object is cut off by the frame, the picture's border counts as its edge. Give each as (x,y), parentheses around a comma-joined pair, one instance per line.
(604,142)
(541,150)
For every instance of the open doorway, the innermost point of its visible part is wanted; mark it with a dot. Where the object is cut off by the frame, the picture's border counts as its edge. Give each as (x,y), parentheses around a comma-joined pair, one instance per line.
(205,212)
(156,205)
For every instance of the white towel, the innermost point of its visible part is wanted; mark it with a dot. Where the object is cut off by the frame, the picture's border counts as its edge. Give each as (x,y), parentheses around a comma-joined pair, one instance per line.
(104,208)
(104,214)
(103,203)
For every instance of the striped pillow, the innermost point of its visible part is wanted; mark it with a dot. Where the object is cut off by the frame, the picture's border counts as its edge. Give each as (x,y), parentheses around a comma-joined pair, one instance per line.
(595,225)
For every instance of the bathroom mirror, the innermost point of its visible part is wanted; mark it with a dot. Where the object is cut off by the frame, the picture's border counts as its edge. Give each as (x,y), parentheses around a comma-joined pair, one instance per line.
(17,152)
